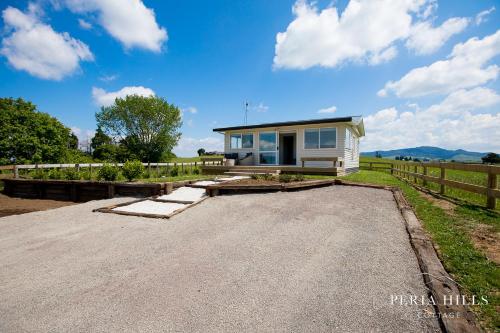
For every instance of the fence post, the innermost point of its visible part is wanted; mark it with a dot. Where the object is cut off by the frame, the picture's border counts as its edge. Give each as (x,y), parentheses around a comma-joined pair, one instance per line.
(425,174)
(443,177)
(392,167)
(90,171)
(415,176)
(157,170)
(16,171)
(492,185)
(77,167)
(371,166)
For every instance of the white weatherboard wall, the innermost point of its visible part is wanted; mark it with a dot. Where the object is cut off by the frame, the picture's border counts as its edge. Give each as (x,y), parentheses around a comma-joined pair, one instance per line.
(350,156)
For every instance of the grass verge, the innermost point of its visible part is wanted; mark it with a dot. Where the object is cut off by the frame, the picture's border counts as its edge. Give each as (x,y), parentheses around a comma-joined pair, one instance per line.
(468,265)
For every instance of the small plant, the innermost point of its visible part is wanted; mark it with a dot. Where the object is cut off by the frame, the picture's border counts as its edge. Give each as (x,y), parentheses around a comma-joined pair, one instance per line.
(55,174)
(71,174)
(196,171)
(174,172)
(299,177)
(39,174)
(108,172)
(267,176)
(285,178)
(132,170)
(255,176)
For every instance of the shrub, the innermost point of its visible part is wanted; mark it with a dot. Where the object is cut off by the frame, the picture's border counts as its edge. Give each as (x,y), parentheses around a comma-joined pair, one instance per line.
(39,174)
(174,172)
(132,170)
(55,174)
(196,171)
(71,174)
(299,177)
(285,178)
(108,172)
(268,176)
(255,176)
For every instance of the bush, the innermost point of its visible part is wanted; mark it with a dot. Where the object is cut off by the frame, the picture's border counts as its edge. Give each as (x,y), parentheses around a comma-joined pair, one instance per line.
(108,172)
(255,176)
(39,174)
(132,170)
(285,178)
(71,174)
(55,174)
(174,172)
(196,171)
(267,176)
(299,177)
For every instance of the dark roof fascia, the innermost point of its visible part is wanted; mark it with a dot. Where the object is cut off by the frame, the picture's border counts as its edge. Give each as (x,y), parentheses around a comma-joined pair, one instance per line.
(287,123)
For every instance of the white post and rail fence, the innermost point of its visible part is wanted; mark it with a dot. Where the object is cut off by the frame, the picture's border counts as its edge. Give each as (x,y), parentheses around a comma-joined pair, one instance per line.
(412,171)
(92,167)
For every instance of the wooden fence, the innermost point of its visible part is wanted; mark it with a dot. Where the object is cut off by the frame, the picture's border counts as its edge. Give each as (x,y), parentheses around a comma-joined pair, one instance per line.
(151,167)
(410,170)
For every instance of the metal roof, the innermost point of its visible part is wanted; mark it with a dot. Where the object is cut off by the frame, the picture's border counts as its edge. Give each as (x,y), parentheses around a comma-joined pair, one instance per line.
(355,119)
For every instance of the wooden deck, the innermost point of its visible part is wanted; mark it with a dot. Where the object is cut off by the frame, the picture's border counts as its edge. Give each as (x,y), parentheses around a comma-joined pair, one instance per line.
(220,169)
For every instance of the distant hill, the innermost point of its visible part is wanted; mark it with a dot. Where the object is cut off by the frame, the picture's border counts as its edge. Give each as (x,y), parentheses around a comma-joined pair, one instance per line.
(432,153)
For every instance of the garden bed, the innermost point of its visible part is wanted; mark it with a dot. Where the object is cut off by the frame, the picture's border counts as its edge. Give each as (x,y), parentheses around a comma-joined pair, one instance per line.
(264,185)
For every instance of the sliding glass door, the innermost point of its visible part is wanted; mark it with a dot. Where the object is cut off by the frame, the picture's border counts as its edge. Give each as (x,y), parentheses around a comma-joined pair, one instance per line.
(268,148)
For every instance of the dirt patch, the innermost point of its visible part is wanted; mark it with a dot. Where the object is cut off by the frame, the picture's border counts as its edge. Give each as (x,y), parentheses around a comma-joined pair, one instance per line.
(15,206)
(486,239)
(447,206)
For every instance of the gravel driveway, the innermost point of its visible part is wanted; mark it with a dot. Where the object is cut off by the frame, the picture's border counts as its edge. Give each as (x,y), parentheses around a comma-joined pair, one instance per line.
(325,259)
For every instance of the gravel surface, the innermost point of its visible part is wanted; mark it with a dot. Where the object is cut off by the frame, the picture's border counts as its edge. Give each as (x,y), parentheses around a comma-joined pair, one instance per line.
(320,260)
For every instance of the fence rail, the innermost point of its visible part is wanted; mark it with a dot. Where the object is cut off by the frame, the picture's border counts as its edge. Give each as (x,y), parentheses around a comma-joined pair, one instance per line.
(183,165)
(410,170)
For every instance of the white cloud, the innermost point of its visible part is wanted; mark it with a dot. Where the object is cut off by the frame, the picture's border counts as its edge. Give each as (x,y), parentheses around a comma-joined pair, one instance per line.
(455,122)
(129,21)
(108,78)
(103,98)
(82,134)
(483,16)
(84,24)
(365,32)
(188,146)
(426,39)
(466,67)
(35,47)
(331,109)
(190,109)
(260,108)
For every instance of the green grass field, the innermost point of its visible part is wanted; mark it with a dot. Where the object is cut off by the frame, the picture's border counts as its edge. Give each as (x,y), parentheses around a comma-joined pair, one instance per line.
(452,232)
(475,178)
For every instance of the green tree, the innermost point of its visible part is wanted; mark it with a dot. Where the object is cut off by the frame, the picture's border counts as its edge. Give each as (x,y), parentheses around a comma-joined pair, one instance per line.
(149,126)
(73,141)
(491,158)
(100,138)
(201,152)
(30,136)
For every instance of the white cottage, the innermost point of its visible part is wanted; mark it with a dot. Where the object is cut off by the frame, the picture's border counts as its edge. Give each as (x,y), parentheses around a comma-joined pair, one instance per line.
(297,146)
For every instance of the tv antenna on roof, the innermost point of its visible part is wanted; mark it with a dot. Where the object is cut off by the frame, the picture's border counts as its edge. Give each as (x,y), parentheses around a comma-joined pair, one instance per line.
(246,112)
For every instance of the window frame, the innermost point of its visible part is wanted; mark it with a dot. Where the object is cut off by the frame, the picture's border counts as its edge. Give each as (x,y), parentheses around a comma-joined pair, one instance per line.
(319,138)
(241,134)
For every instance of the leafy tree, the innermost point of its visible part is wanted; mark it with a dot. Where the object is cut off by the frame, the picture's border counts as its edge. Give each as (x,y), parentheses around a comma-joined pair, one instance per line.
(73,141)
(149,126)
(201,152)
(491,158)
(378,155)
(100,138)
(30,136)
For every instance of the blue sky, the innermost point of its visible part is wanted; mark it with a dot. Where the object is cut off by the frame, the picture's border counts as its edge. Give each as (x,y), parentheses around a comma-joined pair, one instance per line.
(421,72)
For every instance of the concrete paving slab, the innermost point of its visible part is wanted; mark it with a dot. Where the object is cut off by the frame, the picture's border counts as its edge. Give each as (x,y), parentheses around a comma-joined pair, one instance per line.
(185,194)
(151,207)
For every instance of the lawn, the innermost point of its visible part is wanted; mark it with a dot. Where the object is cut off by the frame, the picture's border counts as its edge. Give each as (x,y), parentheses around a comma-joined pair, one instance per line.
(469,177)
(452,231)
